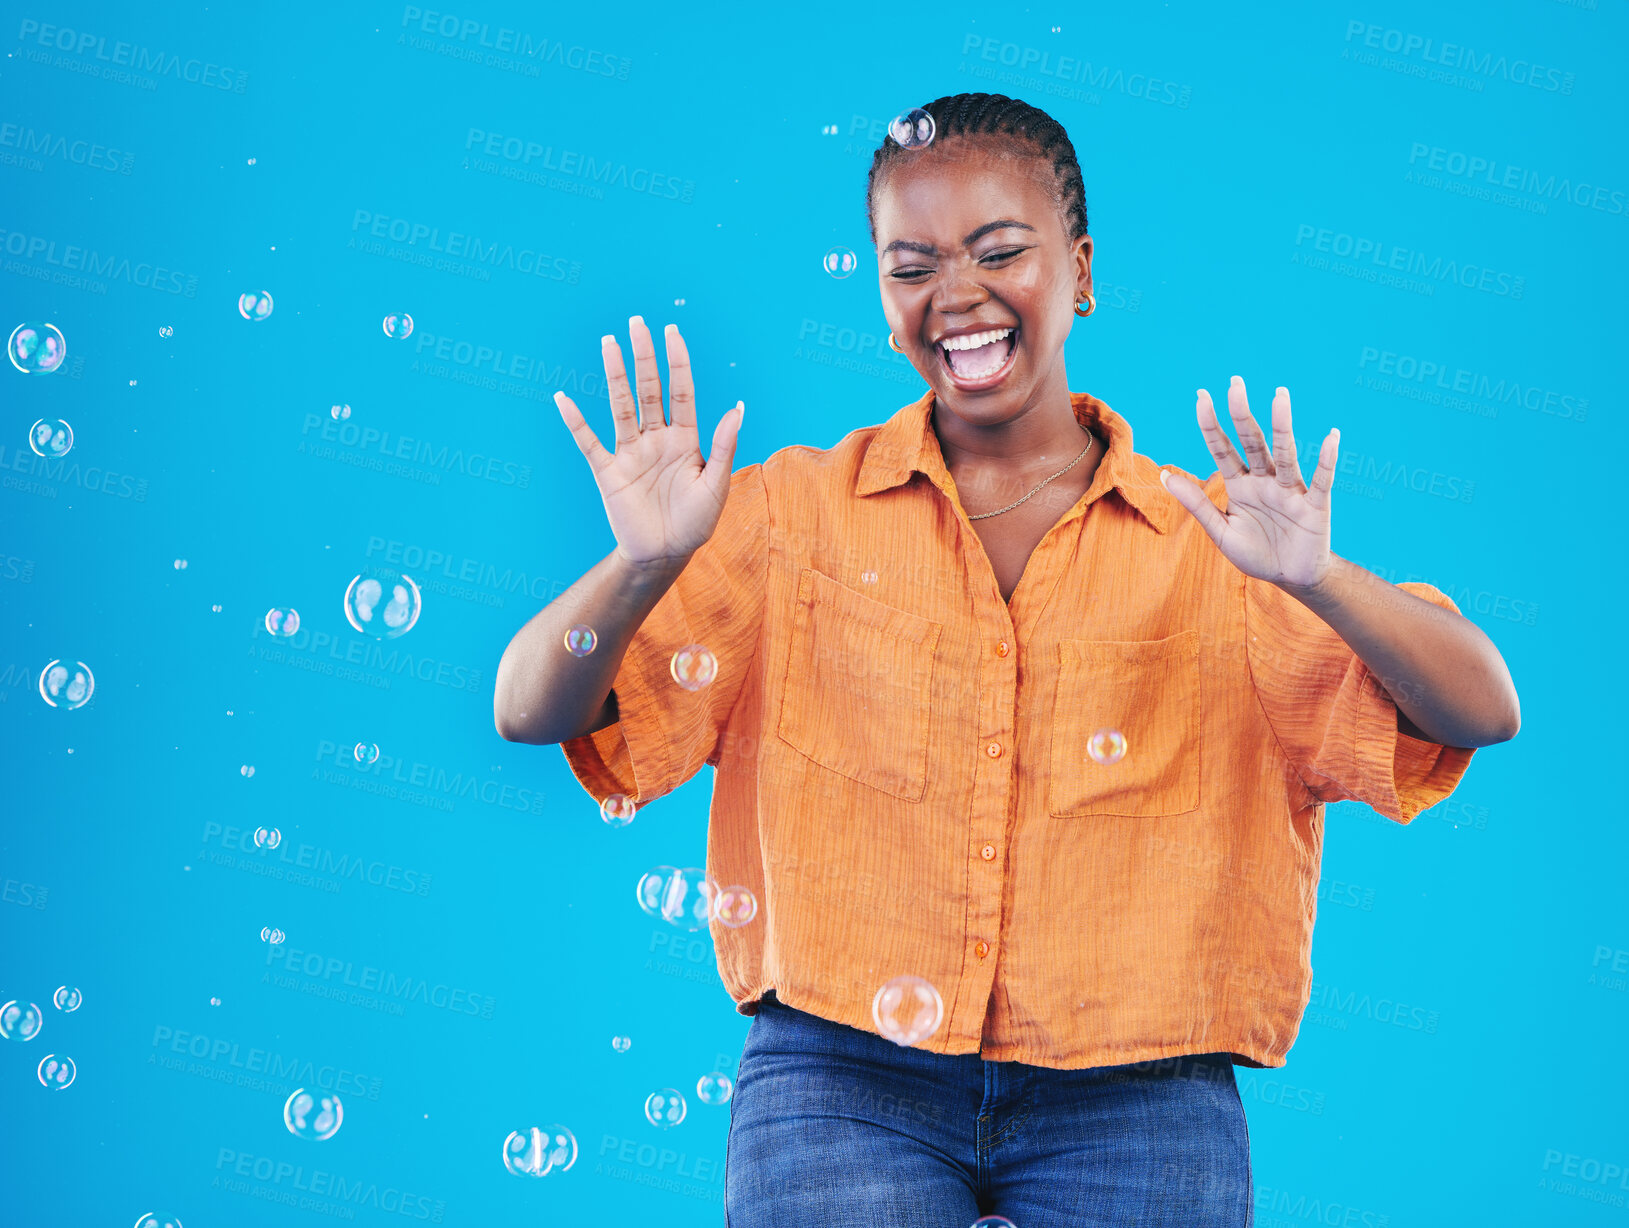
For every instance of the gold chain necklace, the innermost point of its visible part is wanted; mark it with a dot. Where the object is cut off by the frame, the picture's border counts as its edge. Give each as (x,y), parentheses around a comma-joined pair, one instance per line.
(1090,440)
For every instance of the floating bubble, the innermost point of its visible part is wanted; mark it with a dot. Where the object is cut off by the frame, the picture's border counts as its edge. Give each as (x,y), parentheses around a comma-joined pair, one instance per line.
(366,752)
(537,1152)
(267,837)
(1107,746)
(693,667)
(733,907)
(248,769)
(998,1221)
(399,326)
(907,1009)
(57,1071)
(313,1115)
(268,934)
(665,1108)
(214,1001)
(67,998)
(384,608)
(281,622)
(912,129)
(180,564)
(51,437)
(340,412)
(715,1088)
(580,640)
(251,162)
(840,262)
(66,684)
(829,130)
(617,810)
(678,302)
(166,330)
(621,1043)
(156,1219)
(681,897)
(20,1020)
(37,349)
(255,305)
(215,609)
(868,577)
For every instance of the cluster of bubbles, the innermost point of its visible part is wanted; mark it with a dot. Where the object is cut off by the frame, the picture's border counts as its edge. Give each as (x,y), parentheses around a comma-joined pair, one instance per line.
(66,684)
(907,1010)
(372,612)
(539,1151)
(67,999)
(665,1108)
(1106,746)
(256,305)
(51,437)
(366,753)
(340,412)
(22,1021)
(282,623)
(273,936)
(398,326)
(37,349)
(267,837)
(313,1115)
(840,262)
(688,898)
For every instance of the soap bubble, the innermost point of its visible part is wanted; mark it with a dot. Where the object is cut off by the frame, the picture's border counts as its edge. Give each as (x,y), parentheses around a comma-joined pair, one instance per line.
(214,1001)
(912,129)
(907,1009)
(51,437)
(868,577)
(273,936)
(366,753)
(681,897)
(538,1152)
(580,640)
(37,349)
(384,608)
(733,907)
(255,305)
(267,837)
(56,1071)
(246,770)
(155,1219)
(20,1020)
(714,1088)
(313,1115)
(828,130)
(840,262)
(1107,746)
(621,1043)
(665,1107)
(617,810)
(340,412)
(66,684)
(67,998)
(180,564)
(282,623)
(998,1221)
(167,330)
(693,667)
(398,326)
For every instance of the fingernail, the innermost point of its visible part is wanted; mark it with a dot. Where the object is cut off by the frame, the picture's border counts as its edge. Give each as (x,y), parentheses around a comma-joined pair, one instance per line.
(671,328)
(1236,380)
(1283,392)
(636,319)
(559,397)
(608,337)
(1163,477)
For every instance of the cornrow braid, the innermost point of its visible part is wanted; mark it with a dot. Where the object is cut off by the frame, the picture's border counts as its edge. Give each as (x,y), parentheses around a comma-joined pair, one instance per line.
(999,116)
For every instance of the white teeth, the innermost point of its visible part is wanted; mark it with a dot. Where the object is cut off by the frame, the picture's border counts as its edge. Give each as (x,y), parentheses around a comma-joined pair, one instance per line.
(972,341)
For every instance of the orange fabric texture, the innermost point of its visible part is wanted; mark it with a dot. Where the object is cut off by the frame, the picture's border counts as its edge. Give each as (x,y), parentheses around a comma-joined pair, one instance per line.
(902,776)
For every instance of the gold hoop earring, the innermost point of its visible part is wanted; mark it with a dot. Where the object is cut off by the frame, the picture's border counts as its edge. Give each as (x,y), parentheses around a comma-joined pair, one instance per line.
(894,345)
(1091,306)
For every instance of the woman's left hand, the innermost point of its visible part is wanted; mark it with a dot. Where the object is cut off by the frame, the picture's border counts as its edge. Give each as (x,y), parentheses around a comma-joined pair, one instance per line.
(1276,527)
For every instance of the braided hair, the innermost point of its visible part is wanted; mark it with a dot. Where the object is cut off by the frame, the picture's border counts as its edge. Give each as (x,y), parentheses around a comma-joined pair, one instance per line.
(995,115)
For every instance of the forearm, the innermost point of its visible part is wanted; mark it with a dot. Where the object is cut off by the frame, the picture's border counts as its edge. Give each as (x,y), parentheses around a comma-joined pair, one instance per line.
(1441,670)
(545,694)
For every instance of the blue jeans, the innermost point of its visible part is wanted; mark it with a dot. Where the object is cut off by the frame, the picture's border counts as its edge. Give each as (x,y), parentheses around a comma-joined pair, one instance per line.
(840,1128)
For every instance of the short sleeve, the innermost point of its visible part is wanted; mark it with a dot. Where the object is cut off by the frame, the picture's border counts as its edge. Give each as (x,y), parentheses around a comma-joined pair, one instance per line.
(1335,722)
(664,733)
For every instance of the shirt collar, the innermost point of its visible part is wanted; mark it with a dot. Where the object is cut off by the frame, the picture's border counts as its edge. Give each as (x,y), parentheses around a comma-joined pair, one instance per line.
(907,444)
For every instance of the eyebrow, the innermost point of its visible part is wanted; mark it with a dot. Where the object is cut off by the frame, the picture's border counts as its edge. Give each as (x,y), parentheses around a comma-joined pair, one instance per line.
(927,249)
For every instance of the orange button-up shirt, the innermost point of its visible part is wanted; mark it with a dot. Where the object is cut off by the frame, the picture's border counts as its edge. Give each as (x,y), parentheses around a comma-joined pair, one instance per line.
(902,768)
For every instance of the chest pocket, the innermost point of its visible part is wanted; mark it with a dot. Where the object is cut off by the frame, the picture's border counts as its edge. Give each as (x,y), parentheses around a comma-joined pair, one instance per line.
(1149,691)
(857,696)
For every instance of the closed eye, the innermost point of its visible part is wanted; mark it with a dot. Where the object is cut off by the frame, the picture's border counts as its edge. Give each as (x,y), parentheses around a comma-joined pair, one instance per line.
(990,258)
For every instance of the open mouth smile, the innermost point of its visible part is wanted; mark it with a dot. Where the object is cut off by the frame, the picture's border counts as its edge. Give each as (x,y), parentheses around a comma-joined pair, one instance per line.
(976,361)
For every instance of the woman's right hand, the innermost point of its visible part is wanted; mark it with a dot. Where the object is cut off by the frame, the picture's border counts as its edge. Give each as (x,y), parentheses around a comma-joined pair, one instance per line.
(661,501)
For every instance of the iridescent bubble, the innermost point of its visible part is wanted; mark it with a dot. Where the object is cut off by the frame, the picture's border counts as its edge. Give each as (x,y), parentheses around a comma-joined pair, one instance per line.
(273,936)
(167,330)
(340,412)
(1107,746)
(681,897)
(868,577)
(248,769)
(267,837)
(907,1009)
(693,667)
(366,752)
(67,998)
(281,622)
(255,305)
(56,1071)
(37,349)
(215,609)
(537,1152)
(66,684)
(157,1219)
(621,1043)
(399,326)
(715,1088)
(384,608)
(580,640)
(214,1001)
(313,1115)
(51,437)
(839,262)
(912,129)
(20,1020)
(665,1107)
(617,810)
(733,907)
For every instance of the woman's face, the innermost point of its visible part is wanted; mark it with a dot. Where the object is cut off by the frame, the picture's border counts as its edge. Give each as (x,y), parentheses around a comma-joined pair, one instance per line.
(970,241)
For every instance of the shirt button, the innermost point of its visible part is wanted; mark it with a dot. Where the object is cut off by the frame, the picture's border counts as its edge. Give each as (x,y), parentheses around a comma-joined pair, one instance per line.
(1001,649)
(988,852)
(981,948)
(993,750)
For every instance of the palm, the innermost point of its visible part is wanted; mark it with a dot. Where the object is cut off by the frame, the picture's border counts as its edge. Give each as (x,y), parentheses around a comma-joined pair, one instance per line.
(1276,527)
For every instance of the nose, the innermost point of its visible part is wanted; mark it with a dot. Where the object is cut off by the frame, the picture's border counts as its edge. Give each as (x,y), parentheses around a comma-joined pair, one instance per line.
(959,289)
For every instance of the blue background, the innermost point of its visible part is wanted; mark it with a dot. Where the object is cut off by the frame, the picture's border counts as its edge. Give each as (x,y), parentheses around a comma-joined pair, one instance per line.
(1499,912)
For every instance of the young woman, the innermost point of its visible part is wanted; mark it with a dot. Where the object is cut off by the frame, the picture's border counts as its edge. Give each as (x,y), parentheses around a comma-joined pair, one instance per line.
(1001,705)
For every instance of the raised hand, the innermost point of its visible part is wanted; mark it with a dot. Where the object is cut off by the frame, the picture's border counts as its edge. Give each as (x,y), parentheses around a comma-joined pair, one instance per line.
(661,500)
(1276,527)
